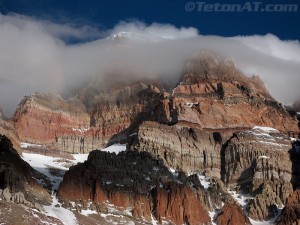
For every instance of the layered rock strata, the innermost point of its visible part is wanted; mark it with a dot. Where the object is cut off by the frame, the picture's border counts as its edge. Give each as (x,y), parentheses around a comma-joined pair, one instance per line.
(181,148)
(71,126)
(256,161)
(136,182)
(213,95)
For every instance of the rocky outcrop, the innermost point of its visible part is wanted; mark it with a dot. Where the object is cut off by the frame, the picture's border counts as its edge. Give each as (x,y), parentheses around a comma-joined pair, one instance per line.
(40,117)
(7,129)
(178,204)
(259,162)
(118,104)
(71,126)
(136,182)
(181,148)
(264,206)
(214,94)
(50,120)
(18,198)
(18,181)
(291,212)
(255,161)
(120,108)
(218,194)
(260,154)
(232,214)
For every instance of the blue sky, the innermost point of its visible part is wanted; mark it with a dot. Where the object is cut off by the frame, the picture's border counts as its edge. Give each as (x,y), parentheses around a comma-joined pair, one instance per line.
(106,14)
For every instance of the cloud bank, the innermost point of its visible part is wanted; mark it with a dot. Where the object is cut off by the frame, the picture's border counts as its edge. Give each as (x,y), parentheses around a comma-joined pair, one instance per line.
(35,58)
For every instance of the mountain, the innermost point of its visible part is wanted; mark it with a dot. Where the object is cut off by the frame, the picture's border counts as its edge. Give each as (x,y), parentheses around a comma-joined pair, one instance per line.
(216,149)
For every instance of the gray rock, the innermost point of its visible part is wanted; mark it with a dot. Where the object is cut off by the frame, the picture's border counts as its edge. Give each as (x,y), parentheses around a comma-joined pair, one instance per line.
(6,194)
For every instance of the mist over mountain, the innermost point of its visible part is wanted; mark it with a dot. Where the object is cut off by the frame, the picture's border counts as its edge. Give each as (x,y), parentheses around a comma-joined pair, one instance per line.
(35,56)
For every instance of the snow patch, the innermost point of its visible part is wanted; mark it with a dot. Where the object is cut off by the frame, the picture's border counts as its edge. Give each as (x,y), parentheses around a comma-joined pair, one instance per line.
(120,35)
(80,158)
(265,129)
(87,212)
(116,148)
(191,104)
(81,130)
(253,222)
(28,145)
(273,143)
(173,171)
(203,181)
(263,157)
(66,216)
(212,215)
(46,164)
(154,221)
(240,198)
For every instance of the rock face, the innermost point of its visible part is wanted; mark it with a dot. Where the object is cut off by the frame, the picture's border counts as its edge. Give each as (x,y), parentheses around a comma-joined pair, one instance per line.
(291,212)
(181,148)
(71,126)
(257,154)
(7,129)
(50,120)
(216,95)
(213,95)
(176,203)
(136,182)
(232,214)
(18,181)
(118,108)
(257,161)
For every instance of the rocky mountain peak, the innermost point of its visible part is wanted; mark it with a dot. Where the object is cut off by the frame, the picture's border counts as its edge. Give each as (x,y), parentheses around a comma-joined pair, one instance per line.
(208,68)
(121,36)
(53,102)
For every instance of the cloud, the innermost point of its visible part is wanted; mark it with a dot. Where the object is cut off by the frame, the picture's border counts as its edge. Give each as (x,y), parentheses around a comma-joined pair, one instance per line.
(34,56)
(57,30)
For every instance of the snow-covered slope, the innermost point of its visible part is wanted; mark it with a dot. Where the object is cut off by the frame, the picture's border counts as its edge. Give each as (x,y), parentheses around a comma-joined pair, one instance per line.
(55,168)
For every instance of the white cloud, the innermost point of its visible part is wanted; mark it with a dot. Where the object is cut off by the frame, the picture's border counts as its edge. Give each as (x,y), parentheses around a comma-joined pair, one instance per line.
(33,56)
